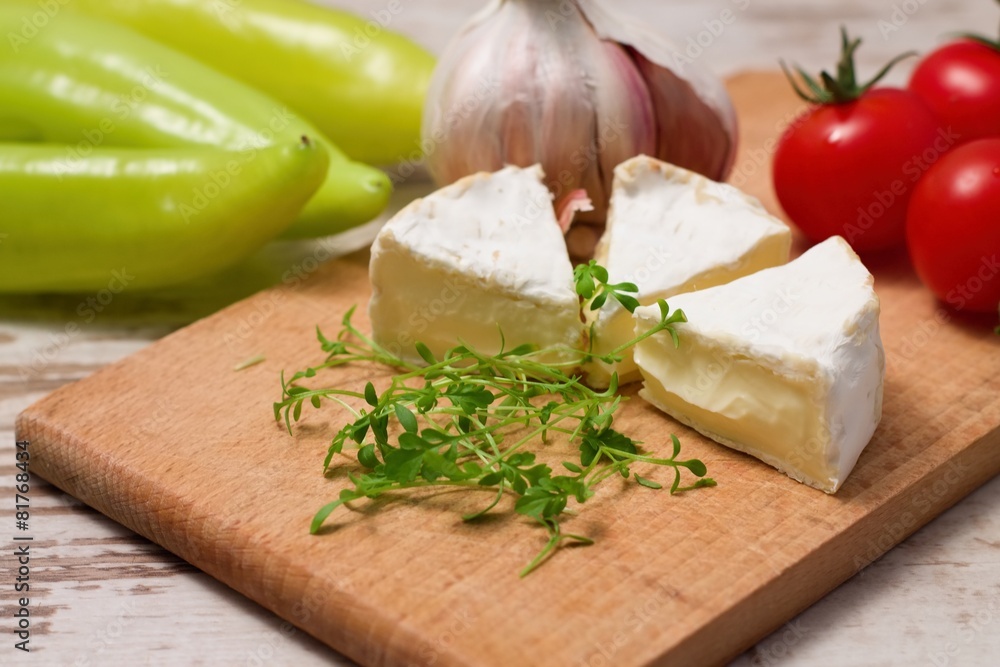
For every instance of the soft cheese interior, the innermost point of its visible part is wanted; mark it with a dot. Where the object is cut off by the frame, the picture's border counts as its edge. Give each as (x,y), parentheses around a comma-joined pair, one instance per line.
(671,231)
(785,364)
(482,255)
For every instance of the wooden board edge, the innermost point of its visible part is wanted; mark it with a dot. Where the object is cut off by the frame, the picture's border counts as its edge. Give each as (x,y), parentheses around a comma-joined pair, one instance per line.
(76,472)
(769,608)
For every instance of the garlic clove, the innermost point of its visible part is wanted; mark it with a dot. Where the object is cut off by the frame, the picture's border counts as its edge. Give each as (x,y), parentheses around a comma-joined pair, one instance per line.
(664,54)
(626,123)
(691,135)
(457,114)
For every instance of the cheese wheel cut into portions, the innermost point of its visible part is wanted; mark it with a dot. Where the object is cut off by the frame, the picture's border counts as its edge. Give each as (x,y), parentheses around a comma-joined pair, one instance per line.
(475,258)
(671,231)
(786,365)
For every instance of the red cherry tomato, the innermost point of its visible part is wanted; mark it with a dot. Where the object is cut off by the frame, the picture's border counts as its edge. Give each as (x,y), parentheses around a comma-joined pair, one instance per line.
(953,227)
(960,83)
(849,169)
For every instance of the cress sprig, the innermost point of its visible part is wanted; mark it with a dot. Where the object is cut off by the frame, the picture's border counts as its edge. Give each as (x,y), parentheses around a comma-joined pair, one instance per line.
(592,283)
(469,420)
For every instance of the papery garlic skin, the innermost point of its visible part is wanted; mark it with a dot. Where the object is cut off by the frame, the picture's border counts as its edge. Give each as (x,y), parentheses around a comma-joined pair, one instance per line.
(532,81)
(662,54)
(510,90)
(689,133)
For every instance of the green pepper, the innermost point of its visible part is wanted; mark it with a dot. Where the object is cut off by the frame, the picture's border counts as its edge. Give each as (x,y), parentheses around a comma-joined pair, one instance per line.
(144,217)
(91,84)
(358,82)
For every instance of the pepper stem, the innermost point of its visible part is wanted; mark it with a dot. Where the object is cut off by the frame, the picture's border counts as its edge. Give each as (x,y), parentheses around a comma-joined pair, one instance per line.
(843,87)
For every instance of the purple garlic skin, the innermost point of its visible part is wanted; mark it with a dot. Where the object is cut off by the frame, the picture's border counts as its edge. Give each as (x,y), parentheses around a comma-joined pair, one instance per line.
(569,85)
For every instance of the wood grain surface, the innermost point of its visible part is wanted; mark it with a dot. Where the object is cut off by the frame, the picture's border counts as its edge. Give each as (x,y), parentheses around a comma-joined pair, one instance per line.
(177,446)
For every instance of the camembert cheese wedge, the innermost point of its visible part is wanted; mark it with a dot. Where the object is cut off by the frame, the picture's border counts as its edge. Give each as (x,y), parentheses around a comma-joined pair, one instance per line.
(786,364)
(475,258)
(671,231)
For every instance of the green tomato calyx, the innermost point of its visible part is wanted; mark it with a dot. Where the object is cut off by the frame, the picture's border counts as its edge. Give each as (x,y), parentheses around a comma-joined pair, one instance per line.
(844,87)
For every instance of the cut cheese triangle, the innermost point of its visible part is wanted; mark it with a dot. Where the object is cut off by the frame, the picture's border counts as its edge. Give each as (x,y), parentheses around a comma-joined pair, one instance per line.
(786,364)
(671,231)
(475,258)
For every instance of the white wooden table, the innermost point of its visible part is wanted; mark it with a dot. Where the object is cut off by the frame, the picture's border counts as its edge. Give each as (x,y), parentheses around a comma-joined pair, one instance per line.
(100,595)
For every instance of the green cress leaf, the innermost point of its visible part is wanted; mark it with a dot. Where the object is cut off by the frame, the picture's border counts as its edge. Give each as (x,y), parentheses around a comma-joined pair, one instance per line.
(535,503)
(491,479)
(332,347)
(612,439)
(403,465)
(359,429)
(696,467)
(648,483)
(442,466)
(370,396)
(521,459)
(626,287)
(518,483)
(434,436)
(380,428)
(413,441)
(468,397)
(346,320)
(630,303)
(584,279)
(406,418)
(588,452)
(521,350)
(425,353)
(599,272)
(367,458)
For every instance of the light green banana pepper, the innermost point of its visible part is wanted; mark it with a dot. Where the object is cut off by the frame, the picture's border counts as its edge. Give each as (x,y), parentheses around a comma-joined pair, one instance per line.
(143,217)
(91,84)
(352,77)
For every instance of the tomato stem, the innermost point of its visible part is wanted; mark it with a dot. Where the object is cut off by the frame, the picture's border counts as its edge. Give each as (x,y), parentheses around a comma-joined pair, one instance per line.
(843,87)
(985,41)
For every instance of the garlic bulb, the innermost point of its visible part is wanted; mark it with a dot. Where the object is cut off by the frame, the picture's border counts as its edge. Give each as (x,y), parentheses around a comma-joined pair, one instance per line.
(570,85)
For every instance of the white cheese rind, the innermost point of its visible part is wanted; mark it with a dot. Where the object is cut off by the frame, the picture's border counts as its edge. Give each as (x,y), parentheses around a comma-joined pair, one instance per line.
(671,231)
(786,364)
(482,255)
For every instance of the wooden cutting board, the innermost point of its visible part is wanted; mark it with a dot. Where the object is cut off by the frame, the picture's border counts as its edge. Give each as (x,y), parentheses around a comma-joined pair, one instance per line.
(176,445)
